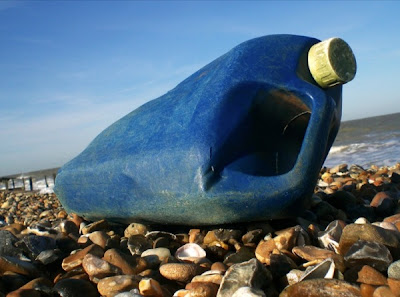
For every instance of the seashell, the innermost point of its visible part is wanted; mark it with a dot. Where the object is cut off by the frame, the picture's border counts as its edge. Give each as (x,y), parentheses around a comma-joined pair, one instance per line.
(189,252)
(325,269)
(329,238)
(361,221)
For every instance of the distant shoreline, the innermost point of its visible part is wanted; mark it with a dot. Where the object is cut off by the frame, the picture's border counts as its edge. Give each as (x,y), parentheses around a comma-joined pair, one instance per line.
(30,181)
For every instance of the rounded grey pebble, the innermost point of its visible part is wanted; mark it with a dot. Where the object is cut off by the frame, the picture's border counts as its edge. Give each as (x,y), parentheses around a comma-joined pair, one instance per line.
(394,270)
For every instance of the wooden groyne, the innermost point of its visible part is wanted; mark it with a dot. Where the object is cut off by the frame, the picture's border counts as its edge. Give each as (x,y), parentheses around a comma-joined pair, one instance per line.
(26,181)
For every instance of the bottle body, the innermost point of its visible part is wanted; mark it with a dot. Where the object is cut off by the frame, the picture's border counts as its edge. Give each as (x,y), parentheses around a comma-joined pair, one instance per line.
(241,139)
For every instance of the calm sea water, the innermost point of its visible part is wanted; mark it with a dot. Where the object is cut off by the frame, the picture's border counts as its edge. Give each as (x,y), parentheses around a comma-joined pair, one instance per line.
(367,141)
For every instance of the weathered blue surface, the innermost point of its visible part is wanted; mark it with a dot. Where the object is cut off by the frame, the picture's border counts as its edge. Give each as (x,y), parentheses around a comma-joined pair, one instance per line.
(242,139)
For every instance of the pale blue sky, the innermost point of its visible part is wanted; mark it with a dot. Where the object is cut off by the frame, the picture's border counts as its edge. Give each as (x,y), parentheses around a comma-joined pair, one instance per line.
(70,69)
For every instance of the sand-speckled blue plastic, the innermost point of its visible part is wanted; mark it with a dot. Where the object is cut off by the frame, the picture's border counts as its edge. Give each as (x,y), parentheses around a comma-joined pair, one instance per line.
(242,139)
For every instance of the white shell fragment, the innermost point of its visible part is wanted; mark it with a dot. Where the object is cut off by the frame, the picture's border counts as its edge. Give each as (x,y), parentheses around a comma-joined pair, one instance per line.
(189,252)
(325,269)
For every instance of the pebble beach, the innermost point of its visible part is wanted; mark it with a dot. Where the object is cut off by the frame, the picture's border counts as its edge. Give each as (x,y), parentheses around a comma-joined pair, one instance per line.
(346,244)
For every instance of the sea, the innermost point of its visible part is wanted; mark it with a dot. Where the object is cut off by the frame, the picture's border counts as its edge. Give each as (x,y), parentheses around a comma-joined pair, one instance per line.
(363,142)
(366,142)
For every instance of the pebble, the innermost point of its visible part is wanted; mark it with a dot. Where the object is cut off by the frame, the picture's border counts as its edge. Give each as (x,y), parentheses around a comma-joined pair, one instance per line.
(342,200)
(383,291)
(394,270)
(368,253)
(75,260)
(252,237)
(367,290)
(280,265)
(7,244)
(312,253)
(113,285)
(242,255)
(251,274)
(349,236)
(16,265)
(181,272)
(219,266)
(150,287)
(371,276)
(321,287)
(200,289)
(383,203)
(75,288)
(68,227)
(286,239)
(264,250)
(34,244)
(127,263)
(95,226)
(293,276)
(394,285)
(35,287)
(207,277)
(138,243)
(96,267)
(135,229)
(100,238)
(49,256)
(160,254)
(368,232)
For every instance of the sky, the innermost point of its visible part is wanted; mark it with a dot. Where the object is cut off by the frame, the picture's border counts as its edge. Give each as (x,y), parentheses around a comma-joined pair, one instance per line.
(70,69)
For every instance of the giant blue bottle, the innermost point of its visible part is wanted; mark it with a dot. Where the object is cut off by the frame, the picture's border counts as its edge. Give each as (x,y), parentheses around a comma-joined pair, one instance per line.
(242,139)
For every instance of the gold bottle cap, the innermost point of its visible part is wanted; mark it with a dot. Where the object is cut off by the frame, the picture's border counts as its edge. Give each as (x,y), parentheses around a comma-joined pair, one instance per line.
(332,62)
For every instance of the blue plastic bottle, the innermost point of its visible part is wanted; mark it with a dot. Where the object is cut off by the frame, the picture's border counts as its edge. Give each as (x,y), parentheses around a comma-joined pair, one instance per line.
(242,139)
